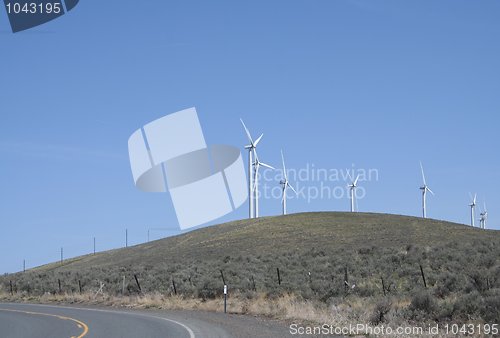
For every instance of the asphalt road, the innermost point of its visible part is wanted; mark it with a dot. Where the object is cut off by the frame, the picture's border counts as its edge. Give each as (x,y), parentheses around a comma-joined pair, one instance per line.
(51,321)
(25,321)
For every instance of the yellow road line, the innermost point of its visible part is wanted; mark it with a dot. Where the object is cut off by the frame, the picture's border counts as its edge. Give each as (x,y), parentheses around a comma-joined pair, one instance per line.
(79,324)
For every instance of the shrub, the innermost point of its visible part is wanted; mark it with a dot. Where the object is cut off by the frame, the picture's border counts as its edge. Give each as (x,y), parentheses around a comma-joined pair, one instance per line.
(380,311)
(491,309)
(423,301)
(469,306)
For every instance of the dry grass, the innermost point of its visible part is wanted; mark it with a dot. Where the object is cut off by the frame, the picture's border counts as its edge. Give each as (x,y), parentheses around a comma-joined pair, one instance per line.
(287,307)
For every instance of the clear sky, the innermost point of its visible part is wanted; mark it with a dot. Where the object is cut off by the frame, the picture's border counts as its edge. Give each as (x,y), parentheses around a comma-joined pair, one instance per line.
(375,84)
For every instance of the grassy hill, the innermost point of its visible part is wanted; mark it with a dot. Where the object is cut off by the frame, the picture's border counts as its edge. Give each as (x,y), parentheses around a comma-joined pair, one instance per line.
(312,252)
(274,236)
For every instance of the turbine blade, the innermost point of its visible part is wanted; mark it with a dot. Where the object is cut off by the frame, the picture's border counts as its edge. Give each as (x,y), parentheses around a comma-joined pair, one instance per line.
(257,140)
(429,190)
(257,166)
(267,166)
(475,197)
(295,191)
(256,157)
(423,175)
(247,132)
(356,180)
(284,168)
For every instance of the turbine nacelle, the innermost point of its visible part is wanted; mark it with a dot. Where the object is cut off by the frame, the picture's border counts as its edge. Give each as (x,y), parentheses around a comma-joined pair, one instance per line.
(354,184)
(473,202)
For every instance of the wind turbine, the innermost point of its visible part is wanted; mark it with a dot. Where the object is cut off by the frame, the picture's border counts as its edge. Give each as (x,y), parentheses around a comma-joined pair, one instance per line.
(284,182)
(251,151)
(257,165)
(424,189)
(483,216)
(353,187)
(472,208)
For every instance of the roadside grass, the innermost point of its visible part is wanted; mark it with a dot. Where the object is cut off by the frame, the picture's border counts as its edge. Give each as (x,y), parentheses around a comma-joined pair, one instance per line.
(287,307)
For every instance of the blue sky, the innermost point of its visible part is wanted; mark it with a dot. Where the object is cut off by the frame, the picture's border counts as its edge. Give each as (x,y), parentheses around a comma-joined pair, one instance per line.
(377,84)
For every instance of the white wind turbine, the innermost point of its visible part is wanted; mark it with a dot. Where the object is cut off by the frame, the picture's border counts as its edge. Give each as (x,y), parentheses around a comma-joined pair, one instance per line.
(284,182)
(424,189)
(353,187)
(251,151)
(472,206)
(484,216)
(257,165)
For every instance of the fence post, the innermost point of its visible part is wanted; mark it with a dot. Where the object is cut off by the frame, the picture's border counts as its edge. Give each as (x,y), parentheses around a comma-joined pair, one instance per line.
(223,279)
(346,280)
(138,285)
(173,284)
(383,284)
(80,286)
(279,277)
(11,288)
(59,283)
(423,276)
(225,298)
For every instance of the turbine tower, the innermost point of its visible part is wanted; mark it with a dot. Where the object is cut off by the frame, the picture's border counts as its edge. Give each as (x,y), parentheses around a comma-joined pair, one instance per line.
(472,206)
(257,165)
(353,187)
(251,151)
(424,189)
(284,182)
